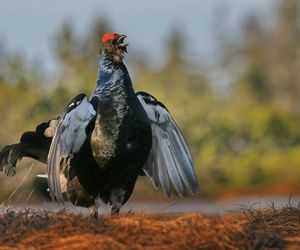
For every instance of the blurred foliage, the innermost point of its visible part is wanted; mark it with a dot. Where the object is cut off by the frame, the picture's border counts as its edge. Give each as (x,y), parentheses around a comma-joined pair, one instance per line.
(249,137)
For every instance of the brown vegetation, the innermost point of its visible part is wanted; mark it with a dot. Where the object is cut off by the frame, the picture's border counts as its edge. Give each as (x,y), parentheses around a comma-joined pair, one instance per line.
(252,229)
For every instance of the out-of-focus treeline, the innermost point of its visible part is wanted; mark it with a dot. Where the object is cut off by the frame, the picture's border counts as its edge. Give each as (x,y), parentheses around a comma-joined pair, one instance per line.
(247,137)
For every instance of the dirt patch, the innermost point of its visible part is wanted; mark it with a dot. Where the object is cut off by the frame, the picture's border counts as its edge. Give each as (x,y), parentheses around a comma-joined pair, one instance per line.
(250,229)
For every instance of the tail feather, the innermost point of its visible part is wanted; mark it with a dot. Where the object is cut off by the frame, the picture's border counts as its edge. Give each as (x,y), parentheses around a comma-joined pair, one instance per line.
(9,157)
(32,144)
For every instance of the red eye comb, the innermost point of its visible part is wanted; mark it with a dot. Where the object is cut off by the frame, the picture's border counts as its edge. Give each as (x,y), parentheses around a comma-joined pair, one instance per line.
(108,36)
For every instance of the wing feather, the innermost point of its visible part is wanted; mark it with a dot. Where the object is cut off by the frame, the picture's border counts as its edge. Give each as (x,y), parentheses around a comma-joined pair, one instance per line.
(162,173)
(69,137)
(170,163)
(183,159)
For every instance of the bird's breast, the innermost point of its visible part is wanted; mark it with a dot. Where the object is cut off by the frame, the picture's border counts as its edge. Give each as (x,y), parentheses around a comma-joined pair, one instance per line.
(106,131)
(121,127)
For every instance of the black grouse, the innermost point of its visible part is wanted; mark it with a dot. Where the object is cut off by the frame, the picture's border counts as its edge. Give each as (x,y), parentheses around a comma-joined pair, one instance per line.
(98,147)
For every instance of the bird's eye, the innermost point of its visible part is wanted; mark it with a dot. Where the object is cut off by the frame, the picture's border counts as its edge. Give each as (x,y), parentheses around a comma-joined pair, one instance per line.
(111,44)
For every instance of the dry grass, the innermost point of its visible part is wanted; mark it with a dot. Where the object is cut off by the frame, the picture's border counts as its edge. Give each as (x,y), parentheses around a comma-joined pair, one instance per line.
(250,229)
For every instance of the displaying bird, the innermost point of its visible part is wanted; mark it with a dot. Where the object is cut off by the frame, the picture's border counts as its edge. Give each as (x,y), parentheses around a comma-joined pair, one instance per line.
(98,147)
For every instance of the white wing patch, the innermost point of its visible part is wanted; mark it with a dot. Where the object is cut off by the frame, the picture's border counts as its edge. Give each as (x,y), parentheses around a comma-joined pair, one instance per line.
(68,138)
(170,163)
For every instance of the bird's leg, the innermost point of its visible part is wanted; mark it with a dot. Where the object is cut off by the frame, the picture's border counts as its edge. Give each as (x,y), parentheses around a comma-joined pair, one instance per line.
(117,200)
(115,210)
(94,211)
(96,207)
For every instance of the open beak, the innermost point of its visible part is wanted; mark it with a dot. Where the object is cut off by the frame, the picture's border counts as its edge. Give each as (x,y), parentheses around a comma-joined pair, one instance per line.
(121,44)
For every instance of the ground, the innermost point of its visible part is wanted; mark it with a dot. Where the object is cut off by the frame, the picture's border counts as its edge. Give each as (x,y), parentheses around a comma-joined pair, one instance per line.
(250,229)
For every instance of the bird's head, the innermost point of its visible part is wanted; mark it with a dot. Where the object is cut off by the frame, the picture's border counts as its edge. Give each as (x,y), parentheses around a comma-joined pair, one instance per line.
(114,46)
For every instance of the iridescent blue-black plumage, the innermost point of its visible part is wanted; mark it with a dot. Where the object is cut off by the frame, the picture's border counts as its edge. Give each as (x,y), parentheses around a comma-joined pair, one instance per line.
(100,146)
(119,140)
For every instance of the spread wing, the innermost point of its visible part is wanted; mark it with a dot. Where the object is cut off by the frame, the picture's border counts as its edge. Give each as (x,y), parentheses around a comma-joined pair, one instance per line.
(170,163)
(68,138)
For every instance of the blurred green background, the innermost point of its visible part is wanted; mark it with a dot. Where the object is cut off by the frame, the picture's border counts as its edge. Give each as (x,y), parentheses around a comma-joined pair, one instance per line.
(244,135)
